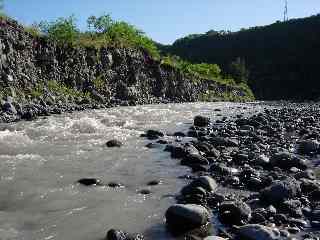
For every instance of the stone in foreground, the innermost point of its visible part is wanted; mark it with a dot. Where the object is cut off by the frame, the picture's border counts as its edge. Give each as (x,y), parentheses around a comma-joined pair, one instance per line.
(258,232)
(181,218)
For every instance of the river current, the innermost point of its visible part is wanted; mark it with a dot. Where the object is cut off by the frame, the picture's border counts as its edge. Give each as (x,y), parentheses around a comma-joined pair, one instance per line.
(41,161)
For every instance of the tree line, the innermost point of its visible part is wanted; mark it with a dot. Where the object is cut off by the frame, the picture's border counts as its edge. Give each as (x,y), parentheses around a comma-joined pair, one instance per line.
(280,60)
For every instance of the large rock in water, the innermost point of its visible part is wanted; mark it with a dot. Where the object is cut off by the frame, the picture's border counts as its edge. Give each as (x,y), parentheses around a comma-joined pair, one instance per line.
(281,191)
(200,121)
(182,218)
(286,160)
(257,232)
(234,212)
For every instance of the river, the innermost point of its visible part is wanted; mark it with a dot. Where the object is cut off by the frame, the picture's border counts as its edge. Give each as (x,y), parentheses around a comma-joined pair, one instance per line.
(41,161)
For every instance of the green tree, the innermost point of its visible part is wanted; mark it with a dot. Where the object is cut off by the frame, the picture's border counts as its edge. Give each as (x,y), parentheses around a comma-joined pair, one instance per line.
(100,24)
(238,70)
(63,30)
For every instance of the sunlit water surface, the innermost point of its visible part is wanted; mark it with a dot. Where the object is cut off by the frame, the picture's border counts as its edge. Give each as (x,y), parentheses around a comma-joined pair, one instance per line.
(41,161)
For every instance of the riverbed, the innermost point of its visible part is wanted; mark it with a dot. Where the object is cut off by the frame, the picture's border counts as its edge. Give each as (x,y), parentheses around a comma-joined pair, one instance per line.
(41,161)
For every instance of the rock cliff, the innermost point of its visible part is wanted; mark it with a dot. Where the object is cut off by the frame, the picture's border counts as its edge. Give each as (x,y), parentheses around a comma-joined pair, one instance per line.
(39,77)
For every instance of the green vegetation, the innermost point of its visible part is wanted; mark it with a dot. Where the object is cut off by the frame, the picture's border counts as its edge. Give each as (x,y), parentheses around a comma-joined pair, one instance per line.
(103,31)
(198,71)
(62,30)
(62,89)
(282,58)
(33,30)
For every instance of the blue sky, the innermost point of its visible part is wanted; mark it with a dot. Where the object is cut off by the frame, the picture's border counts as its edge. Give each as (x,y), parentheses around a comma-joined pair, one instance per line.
(166,20)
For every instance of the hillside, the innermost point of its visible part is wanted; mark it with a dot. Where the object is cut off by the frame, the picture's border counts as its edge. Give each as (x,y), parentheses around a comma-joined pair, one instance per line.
(40,76)
(282,58)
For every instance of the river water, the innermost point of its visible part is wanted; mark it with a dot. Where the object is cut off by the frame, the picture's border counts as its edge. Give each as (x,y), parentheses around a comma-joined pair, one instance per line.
(41,161)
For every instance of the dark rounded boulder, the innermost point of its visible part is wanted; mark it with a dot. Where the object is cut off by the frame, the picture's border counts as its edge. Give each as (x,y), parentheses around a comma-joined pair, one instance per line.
(89,181)
(205,182)
(114,143)
(281,191)
(114,234)
(286,160)
(201,121)
(182,218)
(257,232)
(234,212)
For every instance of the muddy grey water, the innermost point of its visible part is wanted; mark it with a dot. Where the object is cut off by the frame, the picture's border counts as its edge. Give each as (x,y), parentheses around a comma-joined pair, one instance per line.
(41,161)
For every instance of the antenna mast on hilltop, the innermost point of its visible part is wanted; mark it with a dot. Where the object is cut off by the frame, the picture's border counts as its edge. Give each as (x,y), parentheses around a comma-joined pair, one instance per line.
(285,15)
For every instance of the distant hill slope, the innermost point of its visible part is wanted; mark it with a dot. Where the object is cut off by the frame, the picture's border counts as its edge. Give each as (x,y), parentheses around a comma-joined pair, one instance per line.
(283,58)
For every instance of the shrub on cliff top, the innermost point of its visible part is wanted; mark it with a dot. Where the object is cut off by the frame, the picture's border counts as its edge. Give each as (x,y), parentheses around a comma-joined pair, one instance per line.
(63,30)
(103,31)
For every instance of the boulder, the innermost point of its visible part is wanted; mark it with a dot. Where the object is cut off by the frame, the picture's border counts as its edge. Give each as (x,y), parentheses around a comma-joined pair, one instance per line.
(8,107)
(200,121)
(183,218)
(114,143)
(281,191)
(192,159)
(257,232)
(308,146)
(114,234)
(205,182)
(234,212)
(286,160)
(89,181)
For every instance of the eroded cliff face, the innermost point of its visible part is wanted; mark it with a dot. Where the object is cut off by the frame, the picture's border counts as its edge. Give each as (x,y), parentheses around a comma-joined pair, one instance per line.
(38,77)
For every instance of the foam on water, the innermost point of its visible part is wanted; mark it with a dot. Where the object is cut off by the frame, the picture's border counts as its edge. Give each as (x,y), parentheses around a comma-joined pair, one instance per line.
(41,161)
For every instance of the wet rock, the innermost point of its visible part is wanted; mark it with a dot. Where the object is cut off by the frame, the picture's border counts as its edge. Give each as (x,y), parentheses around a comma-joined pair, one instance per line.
(8,107)
(179,151)
(309,186)
(179,134)
(200,121)
(234,212)
(89,181)
(145,192)
(154,182)
(120,235)
(116,235)
(308,174)
(205,182)
(285,160)
(240,158)
(182,218)
(221,141)
(281,191)
(308,146)
(280,218)
(114,143)
(153,134)
(257,232)
(115,185)
(191,190)
(262,160)
(192,159)
(292,207)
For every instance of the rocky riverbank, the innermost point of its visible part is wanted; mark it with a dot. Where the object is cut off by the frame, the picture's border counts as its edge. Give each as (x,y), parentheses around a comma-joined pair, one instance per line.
(39,77)
(253,177)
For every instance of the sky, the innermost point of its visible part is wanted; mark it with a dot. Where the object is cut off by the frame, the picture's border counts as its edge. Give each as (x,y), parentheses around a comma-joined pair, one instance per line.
(166,20)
